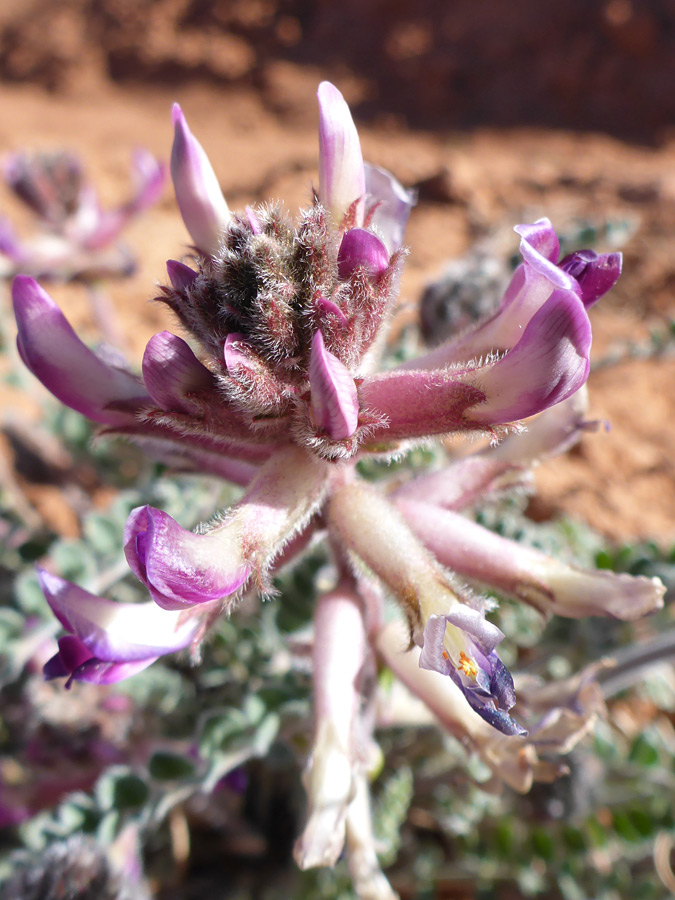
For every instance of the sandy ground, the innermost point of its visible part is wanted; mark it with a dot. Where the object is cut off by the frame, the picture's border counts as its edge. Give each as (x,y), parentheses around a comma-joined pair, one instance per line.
(621,481)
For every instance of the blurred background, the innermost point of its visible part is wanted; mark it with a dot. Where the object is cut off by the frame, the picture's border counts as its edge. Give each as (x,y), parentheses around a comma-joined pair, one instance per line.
(496,114)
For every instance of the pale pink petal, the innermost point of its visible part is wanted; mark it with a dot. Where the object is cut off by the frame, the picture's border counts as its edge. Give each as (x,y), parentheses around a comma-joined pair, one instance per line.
(200,199)
(391,204)
(342,180)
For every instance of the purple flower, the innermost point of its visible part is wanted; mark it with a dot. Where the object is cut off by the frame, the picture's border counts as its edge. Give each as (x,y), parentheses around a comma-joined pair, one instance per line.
(560,713)
(532,285)
(109,641)
(460,644)
(277,388)
(182,569)
(79,238)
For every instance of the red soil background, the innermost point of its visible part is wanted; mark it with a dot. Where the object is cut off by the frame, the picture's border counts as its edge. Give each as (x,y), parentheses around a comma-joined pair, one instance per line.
(500,112)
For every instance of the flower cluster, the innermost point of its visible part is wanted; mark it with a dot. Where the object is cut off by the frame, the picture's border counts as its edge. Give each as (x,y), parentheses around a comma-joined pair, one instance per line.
(282,396)
(78,239)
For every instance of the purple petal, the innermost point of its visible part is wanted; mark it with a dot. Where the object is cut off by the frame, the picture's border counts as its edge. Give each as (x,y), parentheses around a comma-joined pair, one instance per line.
(114,632)
(171,372)
(182,277)
(180,568)
(342,180)
(541,237)
(501,684)
(595,273)
(200,199)
(361,249)
(72,653)
(432,656)
(96,671)
(9,243)
(535,254)
(484,633)
(490,696)
(68,368)
(335,404)
(392,205)
(500,720)
(549,363)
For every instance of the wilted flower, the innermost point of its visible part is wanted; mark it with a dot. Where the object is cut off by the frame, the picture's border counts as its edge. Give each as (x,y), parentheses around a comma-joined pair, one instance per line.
(285,399)
(79,238)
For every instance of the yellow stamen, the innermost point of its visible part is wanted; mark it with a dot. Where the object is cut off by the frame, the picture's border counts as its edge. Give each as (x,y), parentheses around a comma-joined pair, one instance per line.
(467,666)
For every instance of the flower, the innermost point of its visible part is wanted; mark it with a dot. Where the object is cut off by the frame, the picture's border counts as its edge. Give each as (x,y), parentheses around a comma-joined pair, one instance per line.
(107,641)
(79,238)
(282,395)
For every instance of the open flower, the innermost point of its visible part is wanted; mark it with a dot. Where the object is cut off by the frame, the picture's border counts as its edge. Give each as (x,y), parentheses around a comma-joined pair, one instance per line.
(109,641)
(279,391)
(79,238)
(559,714)
(455,638)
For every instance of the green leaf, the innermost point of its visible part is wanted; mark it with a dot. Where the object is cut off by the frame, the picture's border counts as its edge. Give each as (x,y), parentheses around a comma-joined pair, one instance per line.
(643,752)
(624,827)
(574,838)
(170,766)
(130,792)
(543,844)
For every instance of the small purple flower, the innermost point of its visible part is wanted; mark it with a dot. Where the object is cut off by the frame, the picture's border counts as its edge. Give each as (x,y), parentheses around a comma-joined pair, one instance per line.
(460,644)
(534,282)
(109,641)
(560,714)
